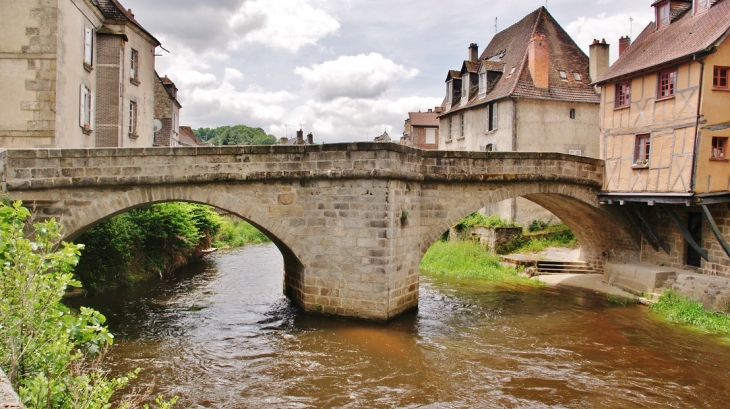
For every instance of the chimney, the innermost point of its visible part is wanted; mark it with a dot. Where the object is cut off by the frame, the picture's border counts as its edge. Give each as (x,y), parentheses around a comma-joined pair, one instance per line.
(283,141)
(310,138)
(300,137)
(473,52)
(598,52)
(623,44)
(539,60)
(430,110)
(130,13)
(438,110)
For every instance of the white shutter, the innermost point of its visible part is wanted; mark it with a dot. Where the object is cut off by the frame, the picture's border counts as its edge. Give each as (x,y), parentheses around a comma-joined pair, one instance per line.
(82,105)
(92,109)
(88,45)
(495,107)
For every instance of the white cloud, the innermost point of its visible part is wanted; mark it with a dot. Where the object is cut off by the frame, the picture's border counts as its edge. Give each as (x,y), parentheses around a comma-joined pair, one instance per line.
(232,75)
(360,76)
(282,24)
(609,27)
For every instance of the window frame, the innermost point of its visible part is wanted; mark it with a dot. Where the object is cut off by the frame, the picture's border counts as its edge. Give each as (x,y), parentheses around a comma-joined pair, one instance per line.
(433,132)
(88,48)
(464,89)
(449,91)
(642,150)
(492,117)
(622,99)
(719,148)
(563,75)
(450,124)
(134,66)
(482,82)
(461,126)
(572,113)
(715,77)
(133,113)
(86,109)
(671,88)
(663,21)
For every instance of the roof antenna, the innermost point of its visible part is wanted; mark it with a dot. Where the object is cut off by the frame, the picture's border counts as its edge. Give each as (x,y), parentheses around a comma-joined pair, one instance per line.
(496,29)
(631,27)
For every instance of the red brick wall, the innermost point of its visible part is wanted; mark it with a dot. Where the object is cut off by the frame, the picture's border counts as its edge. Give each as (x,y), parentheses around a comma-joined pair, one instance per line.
(108,121)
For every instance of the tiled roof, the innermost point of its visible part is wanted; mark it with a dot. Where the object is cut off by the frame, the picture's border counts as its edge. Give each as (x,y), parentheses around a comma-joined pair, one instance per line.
(469,66)
(113,10)
(508,50)
(424,118)
(684,37)
(187,137)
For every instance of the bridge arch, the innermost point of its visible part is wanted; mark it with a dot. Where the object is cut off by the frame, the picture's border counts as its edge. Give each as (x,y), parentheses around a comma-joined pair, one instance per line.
(246,205)
(601,232)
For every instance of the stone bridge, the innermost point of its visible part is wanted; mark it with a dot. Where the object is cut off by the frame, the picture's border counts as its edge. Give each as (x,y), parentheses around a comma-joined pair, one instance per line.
(352,221)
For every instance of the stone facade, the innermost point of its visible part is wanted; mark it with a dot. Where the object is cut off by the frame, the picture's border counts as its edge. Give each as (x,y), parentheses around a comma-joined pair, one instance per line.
(352,220)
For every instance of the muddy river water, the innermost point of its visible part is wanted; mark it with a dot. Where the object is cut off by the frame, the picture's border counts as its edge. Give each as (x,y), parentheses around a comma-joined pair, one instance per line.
(220,335)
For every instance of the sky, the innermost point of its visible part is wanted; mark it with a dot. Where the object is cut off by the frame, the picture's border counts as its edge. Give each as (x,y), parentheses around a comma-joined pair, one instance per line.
(345,70)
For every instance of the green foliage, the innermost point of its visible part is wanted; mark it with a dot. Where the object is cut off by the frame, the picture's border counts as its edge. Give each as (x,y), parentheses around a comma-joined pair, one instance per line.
(50,355)
(620,300)
(238,234)
(468,260)
(676,308)
(537,225)
(234,135)
(150,240)
(477,219)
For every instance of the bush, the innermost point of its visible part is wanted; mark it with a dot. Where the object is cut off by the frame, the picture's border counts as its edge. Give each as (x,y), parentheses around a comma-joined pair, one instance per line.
(237,234)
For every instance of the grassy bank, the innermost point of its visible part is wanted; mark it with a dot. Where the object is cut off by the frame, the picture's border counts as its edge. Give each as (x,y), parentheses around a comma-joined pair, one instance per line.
(237,234)
(467,259)
(676,308)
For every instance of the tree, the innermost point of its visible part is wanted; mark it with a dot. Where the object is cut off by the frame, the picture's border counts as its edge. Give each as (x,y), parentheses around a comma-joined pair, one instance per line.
(52,356)
(235,135)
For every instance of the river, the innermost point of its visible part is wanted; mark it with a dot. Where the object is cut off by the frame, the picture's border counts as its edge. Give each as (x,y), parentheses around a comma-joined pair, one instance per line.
(220,335)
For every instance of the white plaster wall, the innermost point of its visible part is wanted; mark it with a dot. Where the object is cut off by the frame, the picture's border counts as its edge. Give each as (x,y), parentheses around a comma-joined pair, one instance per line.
(73,16)
(143,93)
(545,126)
(14,73)
(476,136)
(14,18)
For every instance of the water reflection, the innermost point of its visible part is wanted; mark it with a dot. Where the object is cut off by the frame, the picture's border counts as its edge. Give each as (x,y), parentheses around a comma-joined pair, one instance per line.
(221,335)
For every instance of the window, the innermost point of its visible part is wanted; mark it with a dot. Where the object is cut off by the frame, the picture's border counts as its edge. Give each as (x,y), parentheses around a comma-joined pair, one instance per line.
(623,95)
(492,109)
(701,5)
(641,149)
(572,113)
(461,126)
(576,76)
(667,83)
(88,47)
(512,71)
(563,75)
(719,77)
(482,83)
(489,147)
(464,89)
(662,15)
(576,152)
(450,125)
(719,147)
(86,109)
(449,85)
(134,67)
(430,135)
(132,119)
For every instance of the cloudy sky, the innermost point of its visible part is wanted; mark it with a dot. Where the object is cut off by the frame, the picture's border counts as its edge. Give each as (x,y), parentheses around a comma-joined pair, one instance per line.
(346,70)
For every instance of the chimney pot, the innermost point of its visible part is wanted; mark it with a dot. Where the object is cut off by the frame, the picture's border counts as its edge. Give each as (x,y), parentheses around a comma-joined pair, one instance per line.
(623,44)
(473,52)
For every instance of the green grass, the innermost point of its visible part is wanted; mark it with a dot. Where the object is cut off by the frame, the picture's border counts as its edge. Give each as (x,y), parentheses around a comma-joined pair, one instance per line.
(676,308)
(466,259)
(621,300)
(552,236)
(237,234)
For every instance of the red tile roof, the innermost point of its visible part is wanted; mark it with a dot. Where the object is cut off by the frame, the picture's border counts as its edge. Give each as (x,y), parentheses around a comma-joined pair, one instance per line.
(509,50)
(424,118)
(187,137)
(683,38)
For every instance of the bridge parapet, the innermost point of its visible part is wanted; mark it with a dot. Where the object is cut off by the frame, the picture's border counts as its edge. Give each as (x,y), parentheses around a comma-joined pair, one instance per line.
(42,169)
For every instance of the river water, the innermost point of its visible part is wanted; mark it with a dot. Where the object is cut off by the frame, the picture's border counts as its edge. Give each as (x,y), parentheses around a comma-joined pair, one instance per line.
(220,335)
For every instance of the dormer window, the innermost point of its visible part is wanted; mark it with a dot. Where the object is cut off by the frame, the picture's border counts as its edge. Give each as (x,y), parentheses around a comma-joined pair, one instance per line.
(662,15)
(701,5)
(482,82)
(449,91)
(563,75)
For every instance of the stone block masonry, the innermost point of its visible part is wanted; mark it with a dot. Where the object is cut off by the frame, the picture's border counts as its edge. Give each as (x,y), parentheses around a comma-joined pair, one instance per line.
(352,221)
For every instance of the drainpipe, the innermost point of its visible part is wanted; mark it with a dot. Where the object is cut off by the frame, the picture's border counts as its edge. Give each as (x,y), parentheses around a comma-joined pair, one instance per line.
(695,157)
(514,149)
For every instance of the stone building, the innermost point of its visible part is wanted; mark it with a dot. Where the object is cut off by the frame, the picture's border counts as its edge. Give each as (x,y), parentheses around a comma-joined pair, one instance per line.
(529,90)
(421,129)
(167,112)
(75,74)
(665,125)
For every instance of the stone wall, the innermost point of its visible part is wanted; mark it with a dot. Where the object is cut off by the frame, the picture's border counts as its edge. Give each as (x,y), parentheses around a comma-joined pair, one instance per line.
(351,220)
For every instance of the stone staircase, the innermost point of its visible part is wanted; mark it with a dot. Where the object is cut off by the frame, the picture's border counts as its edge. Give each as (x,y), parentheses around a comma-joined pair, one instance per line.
(563,267)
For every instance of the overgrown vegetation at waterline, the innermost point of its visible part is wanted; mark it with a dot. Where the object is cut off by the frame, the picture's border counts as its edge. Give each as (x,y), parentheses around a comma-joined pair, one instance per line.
(237,234)
(467,259)
(53,357)
(676,308)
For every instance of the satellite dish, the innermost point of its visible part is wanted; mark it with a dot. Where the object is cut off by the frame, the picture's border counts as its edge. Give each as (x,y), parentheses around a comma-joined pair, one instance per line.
(156,125)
